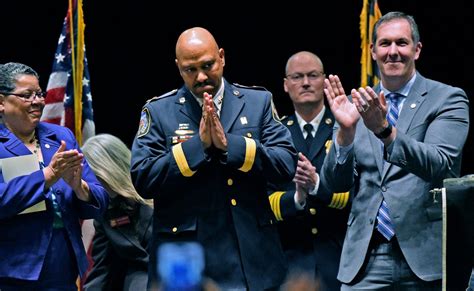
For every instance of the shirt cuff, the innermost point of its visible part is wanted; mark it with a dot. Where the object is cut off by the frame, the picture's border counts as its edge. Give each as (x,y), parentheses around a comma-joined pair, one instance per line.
(342,152)
(314,191)
(223,157)
(299,206)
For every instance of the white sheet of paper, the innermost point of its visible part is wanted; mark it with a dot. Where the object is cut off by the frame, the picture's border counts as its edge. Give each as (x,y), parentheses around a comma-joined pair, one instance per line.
(19,166)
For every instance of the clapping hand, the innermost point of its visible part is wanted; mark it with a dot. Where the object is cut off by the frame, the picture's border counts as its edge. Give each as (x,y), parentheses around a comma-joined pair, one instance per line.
(344,110)
(67,164)
(306,178)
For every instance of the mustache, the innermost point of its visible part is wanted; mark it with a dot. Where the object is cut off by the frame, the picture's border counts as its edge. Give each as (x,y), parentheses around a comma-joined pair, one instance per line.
(203,84)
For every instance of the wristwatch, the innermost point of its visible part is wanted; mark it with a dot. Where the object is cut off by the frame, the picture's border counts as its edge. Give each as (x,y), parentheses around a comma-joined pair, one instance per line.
(385,133)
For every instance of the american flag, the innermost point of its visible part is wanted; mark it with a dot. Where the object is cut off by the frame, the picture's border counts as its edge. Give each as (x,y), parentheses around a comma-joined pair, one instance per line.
(69,100)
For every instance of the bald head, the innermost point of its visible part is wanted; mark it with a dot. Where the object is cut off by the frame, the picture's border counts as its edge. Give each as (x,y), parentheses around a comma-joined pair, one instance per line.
(304,83)
(303,57)
(193,40)
(200,61)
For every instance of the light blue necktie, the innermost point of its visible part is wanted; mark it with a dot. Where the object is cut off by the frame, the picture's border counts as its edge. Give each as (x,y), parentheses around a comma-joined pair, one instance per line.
(384,223)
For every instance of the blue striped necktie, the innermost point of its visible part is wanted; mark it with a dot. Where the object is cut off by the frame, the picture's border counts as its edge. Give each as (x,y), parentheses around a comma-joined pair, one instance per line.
(384,223)
(392,114)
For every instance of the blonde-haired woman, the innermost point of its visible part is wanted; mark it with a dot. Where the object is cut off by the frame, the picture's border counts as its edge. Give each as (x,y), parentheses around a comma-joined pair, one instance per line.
(121,242)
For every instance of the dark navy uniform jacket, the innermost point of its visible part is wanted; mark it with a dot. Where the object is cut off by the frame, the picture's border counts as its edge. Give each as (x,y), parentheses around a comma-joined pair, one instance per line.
(313,237)
(219,200)
(120,248)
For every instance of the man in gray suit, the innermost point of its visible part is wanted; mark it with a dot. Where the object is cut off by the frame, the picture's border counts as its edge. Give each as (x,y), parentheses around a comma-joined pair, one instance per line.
(394,143)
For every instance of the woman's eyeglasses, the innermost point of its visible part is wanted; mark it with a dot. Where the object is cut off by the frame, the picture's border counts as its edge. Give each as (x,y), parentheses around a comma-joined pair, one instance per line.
(28,97)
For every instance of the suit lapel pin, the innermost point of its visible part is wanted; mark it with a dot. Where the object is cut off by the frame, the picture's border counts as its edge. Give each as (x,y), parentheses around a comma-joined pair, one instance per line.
(236,92)
(182,100)
(243,120)
(413,105)
(328,121)
(290,122)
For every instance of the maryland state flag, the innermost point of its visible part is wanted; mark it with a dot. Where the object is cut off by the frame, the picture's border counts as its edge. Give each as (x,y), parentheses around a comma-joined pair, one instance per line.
(69,100)
(370,14)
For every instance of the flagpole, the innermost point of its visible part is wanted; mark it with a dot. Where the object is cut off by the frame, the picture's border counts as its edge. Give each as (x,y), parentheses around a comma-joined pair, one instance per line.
(77,63)
(79,72)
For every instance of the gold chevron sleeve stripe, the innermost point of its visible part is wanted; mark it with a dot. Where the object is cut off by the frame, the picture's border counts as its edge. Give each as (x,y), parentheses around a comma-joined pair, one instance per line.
(345,199)
(183,166)
(250,150)
(275,204)
(334,200)
(339,200)
(338,204)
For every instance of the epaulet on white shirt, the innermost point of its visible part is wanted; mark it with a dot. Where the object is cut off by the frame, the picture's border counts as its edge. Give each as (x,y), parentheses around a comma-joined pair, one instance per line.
(170,93)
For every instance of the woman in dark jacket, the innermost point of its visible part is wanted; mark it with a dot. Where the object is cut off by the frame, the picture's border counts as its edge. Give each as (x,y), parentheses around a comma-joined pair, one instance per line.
(120,245)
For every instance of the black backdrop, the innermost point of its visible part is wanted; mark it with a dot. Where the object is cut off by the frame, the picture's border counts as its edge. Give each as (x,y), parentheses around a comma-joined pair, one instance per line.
(130,46)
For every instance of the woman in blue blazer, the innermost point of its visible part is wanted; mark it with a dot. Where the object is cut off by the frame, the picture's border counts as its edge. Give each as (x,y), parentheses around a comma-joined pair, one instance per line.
(46,188)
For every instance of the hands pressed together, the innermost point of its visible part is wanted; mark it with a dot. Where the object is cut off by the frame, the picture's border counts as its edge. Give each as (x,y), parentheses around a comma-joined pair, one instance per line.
(68,166)
(210,129)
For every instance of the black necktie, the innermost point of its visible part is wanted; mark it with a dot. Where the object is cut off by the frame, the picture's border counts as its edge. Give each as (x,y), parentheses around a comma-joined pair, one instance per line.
(309,137)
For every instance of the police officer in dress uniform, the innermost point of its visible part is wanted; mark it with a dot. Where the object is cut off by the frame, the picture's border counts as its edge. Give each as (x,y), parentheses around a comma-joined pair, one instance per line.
(205,153)
(312,219)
